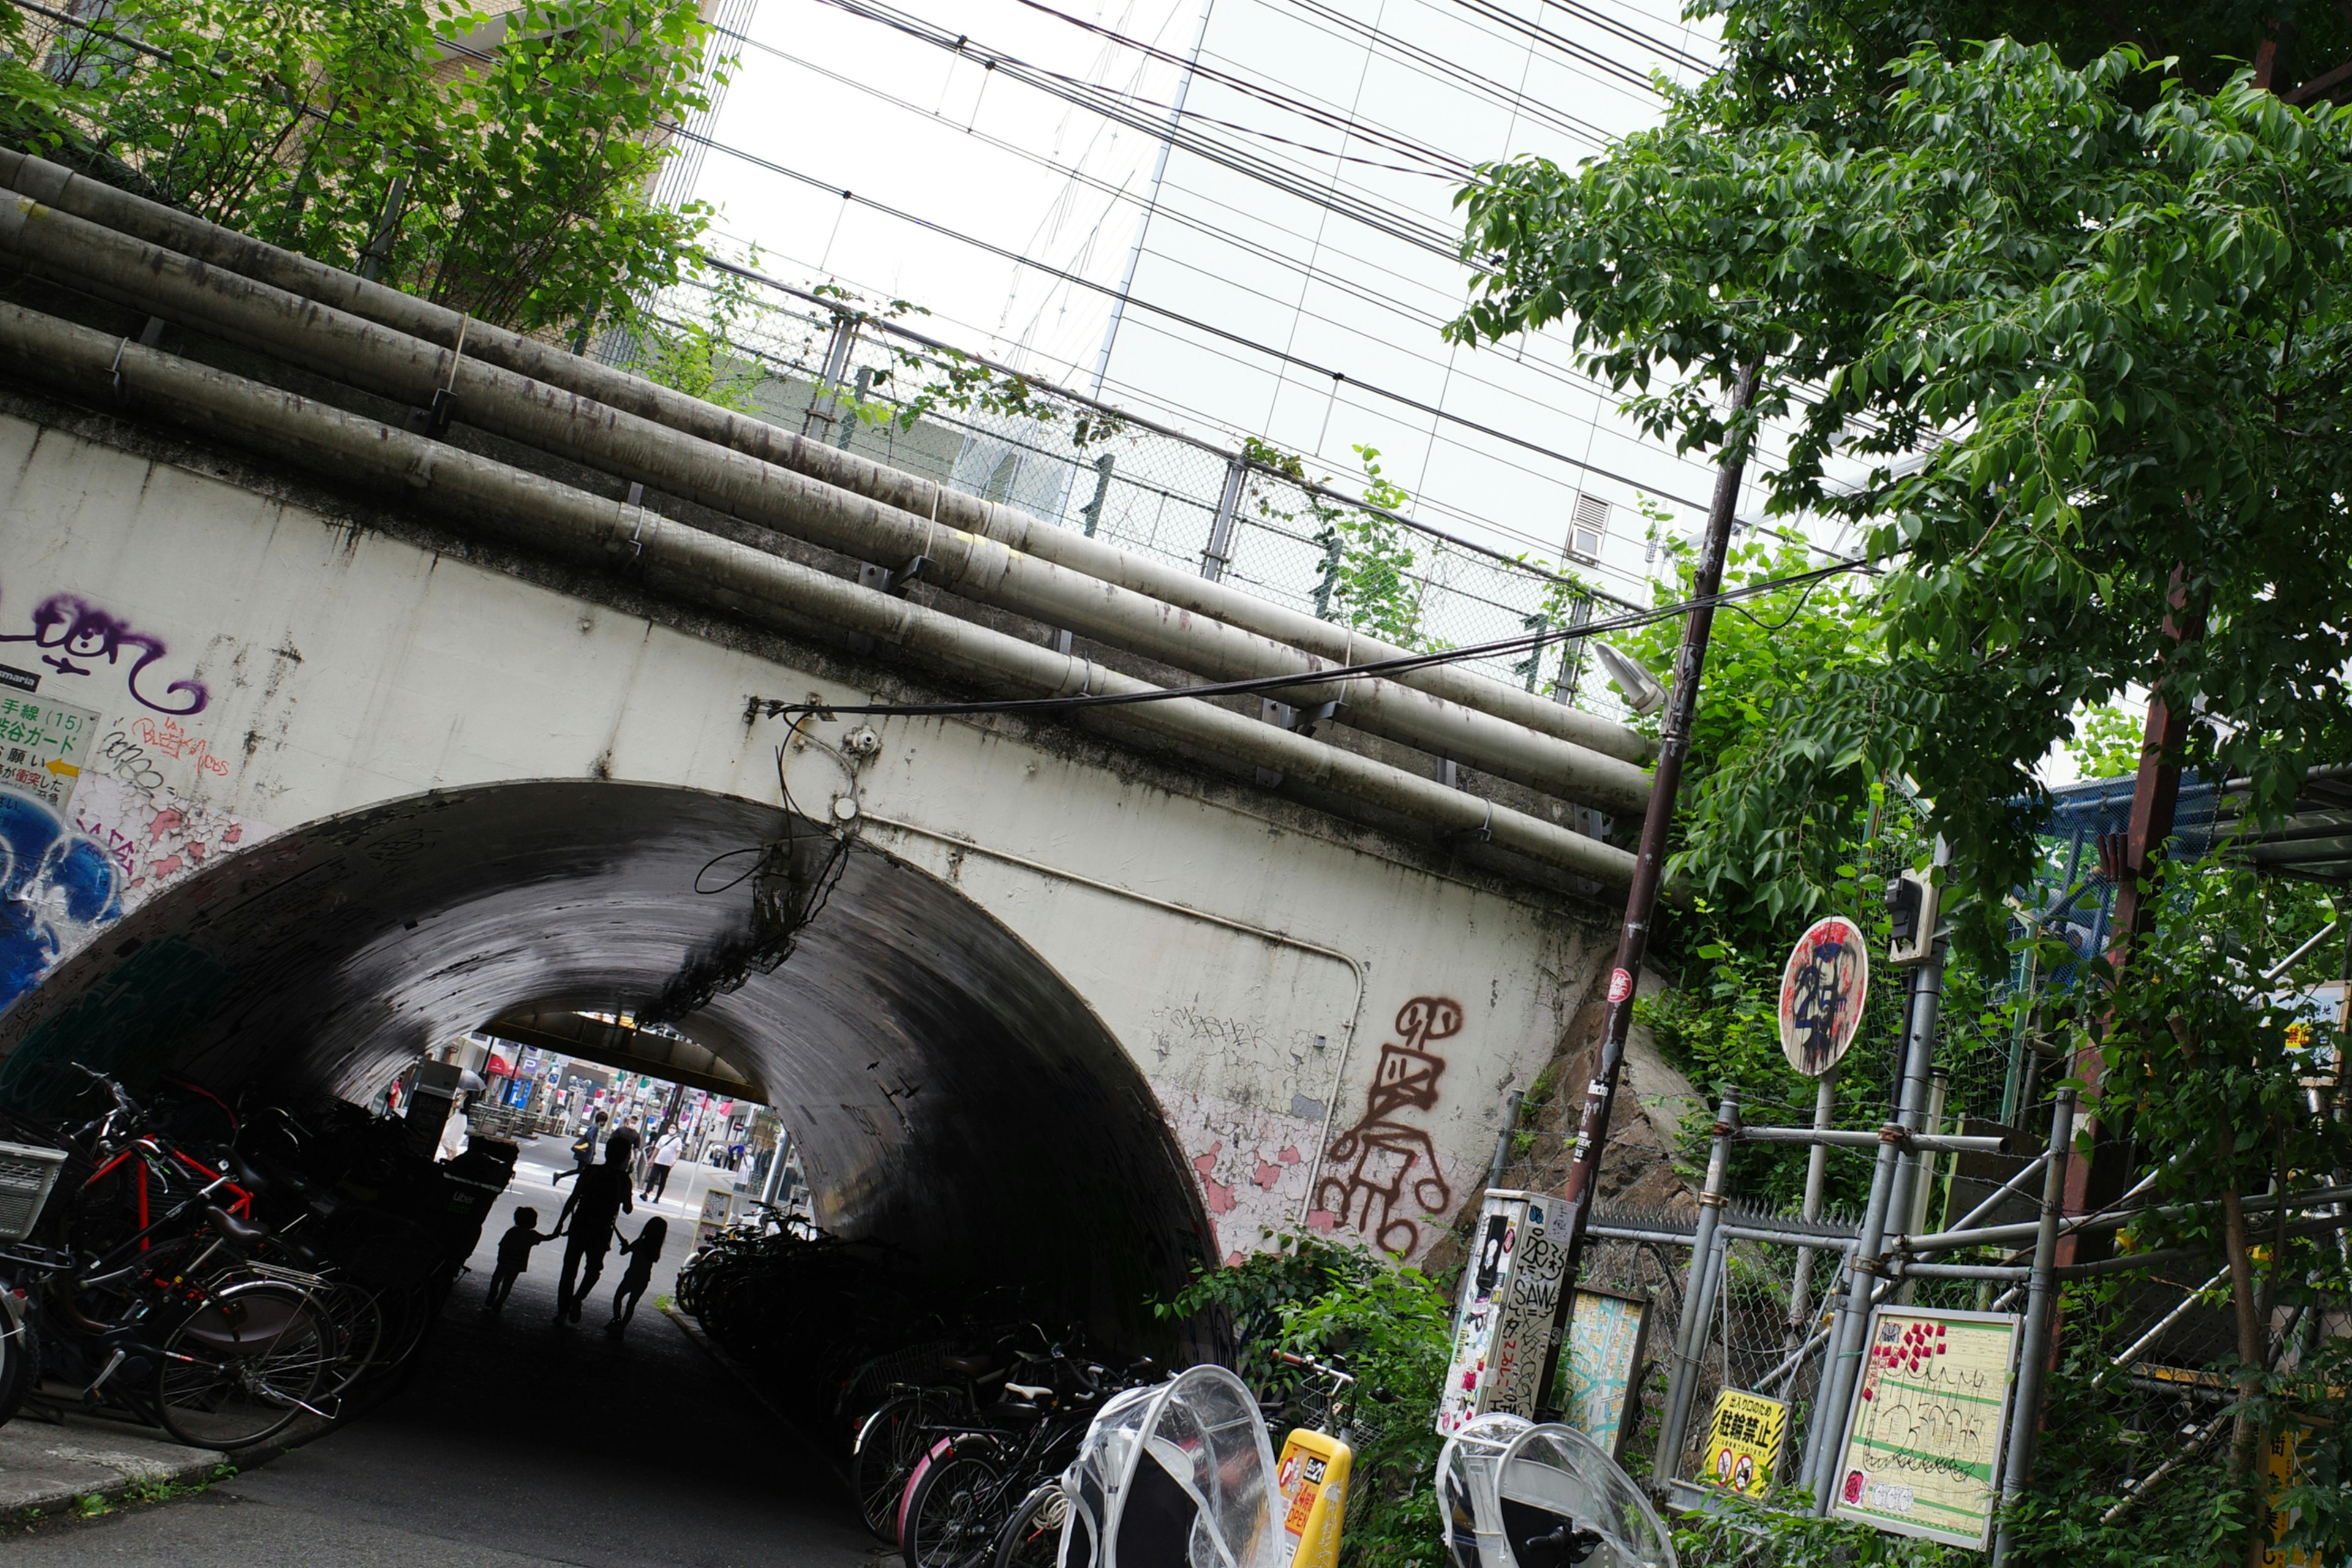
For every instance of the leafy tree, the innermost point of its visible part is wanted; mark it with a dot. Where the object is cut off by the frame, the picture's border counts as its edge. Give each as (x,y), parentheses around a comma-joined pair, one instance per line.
(503,166)
(2205,1070)
(2087,325)
(2107,743)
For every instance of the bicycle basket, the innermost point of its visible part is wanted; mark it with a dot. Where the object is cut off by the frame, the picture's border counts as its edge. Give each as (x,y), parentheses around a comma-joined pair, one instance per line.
(27,1174)
(1511,1494)
(1180,1476)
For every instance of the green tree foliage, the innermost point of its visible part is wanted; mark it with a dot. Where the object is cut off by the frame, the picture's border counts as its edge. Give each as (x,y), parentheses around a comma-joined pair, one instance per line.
(1389,1327)
(1795,815)
(2083,324)
(503,166)
(2106,742)
(2205,1070)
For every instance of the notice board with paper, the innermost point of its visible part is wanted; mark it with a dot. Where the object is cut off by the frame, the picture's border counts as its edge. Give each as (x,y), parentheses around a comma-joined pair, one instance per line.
(1923,1442)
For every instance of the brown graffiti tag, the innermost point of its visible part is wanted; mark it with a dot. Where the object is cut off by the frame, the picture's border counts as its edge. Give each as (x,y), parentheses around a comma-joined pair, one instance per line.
(1393,1159)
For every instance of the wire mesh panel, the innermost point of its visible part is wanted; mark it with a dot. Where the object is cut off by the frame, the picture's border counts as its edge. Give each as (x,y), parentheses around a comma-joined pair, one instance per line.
(1255,519)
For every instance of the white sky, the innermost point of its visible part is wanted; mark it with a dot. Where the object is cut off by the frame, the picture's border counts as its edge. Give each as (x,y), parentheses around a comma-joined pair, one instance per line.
(844,101)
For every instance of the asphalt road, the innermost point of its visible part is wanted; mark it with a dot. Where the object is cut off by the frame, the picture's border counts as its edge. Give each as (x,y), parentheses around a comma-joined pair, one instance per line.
(518,1443)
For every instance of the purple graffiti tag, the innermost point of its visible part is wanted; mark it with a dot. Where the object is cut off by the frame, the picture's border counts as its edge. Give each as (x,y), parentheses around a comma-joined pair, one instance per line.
(79,629)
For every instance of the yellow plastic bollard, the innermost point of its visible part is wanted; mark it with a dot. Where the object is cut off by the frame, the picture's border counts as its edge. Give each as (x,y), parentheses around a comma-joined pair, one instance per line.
(1313,1479)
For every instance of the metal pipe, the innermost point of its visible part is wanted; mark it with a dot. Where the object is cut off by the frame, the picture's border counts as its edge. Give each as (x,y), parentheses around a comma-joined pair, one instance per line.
(2040,1311)
(1698,1295)
(550,365)
(378,359)
(1947,1240)
(2283,965)
(1495,1166)
(479,494)
(1846,1346)
(2025,1173)
(1902,1268)
(1847,1138)
(2131,1353)
(1922,1169)
(1800,1291)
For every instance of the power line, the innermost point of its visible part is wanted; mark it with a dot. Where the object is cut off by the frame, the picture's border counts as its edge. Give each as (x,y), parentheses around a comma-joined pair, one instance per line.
(1284,356)
(1335,674)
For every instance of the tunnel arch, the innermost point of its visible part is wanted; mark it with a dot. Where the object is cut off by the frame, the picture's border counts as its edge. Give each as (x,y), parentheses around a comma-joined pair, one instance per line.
(949,1091)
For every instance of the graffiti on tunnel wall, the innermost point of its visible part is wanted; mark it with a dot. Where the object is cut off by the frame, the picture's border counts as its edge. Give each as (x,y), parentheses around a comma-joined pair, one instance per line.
(57,886)
(1384,1170)
(74,637)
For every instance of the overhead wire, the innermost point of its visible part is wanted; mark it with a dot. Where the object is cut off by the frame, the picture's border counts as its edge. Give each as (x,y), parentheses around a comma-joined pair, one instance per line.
(774,707)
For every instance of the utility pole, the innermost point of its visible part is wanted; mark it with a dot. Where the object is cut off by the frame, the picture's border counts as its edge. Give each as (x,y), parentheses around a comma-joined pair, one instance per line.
(1649,873)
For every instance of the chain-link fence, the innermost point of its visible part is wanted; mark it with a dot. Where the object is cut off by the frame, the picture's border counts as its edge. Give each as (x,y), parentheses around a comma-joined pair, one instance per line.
(1255,519)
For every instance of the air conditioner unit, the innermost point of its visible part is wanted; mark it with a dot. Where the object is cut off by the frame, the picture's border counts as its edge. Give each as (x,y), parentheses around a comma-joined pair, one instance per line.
(1588,526)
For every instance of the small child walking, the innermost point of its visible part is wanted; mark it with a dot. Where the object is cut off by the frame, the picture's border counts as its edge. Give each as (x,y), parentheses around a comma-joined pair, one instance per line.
(514,1255)
(642,1254)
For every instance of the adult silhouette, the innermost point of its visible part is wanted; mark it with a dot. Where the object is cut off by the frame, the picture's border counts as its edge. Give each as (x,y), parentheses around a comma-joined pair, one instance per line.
(598,1200)
(583,1150)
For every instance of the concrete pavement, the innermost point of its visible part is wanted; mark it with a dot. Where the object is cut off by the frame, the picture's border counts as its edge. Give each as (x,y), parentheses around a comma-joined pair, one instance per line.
(519,1443)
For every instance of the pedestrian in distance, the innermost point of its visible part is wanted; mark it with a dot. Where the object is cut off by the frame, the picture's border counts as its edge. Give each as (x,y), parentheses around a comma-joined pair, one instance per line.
(598,1200)
(642,1254)
(583,1150)
(514,1255)
(666,1153)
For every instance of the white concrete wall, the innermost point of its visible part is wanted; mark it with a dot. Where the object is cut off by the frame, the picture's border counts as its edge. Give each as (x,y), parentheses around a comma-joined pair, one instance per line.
(341,667)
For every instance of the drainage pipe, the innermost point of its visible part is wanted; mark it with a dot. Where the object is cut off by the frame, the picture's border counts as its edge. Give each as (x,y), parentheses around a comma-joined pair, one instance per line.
(481,493)
(58,187)
(377,358)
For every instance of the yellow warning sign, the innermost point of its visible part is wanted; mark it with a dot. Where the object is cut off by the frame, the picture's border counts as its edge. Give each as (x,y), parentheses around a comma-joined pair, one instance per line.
(1743,1441)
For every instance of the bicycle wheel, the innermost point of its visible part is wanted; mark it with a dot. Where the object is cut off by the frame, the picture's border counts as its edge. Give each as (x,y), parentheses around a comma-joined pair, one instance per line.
(359,1332)
(1032,1538)
(889,1441)
(953,1506)
(241,1366)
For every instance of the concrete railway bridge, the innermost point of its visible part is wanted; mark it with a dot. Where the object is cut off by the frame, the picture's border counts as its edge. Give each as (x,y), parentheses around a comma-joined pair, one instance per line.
(372,675)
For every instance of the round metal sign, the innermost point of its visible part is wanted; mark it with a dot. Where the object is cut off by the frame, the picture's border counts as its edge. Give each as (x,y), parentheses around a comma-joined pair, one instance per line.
(1821,992)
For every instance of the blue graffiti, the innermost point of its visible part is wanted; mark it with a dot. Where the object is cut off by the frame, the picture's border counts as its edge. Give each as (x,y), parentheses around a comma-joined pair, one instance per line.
(54,885)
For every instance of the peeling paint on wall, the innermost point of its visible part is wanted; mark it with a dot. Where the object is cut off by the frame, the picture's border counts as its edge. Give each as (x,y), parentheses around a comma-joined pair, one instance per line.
(1252,1164)
(157,836)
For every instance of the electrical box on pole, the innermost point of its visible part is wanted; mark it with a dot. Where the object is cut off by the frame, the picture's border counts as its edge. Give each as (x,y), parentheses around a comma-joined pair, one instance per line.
(1911,910)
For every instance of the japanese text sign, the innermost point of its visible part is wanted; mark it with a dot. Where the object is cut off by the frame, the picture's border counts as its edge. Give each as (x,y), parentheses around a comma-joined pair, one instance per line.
(1922,1452)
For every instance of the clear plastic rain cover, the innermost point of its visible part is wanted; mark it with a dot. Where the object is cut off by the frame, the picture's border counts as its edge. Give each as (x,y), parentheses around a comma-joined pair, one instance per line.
(1515,1495)
(1180,1476)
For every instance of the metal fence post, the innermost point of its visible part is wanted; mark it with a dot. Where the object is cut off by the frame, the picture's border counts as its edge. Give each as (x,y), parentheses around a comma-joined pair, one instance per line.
(1698,1295)
(1845,1358)
(2040,1301)
(1220,553)
(1092,512)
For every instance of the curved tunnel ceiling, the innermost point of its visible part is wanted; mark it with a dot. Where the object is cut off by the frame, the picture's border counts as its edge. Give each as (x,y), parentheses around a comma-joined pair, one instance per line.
(950,1092)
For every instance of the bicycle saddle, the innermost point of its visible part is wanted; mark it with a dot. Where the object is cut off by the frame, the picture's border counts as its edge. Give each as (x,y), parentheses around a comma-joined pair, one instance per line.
(968,1365)
(244,1235)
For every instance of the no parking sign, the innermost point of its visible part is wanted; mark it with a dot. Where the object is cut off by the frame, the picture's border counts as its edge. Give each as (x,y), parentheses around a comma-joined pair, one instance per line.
(1821,992)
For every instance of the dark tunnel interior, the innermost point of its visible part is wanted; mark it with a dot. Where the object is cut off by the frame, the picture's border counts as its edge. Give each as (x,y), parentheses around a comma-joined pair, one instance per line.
(948,1092)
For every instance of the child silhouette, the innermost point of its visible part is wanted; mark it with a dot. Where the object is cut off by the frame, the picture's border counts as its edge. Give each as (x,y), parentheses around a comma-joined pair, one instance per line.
(514,1255)
(642,1254)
